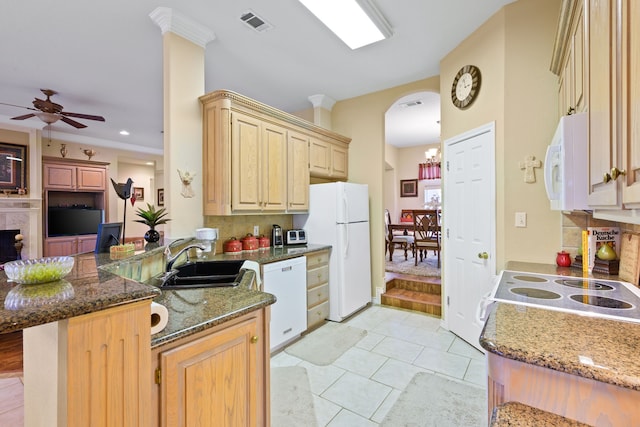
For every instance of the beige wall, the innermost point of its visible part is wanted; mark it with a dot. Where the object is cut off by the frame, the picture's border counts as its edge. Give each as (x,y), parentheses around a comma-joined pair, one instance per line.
(362,119)
(513,50)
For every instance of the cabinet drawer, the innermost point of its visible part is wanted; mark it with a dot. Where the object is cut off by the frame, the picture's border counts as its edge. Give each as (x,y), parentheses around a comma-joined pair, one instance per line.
(317,276)
(317,258)
(317,295)
(317,314)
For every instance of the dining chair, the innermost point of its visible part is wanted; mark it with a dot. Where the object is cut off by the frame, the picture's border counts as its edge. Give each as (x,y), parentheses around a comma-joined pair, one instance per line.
(426,233)
(405,242)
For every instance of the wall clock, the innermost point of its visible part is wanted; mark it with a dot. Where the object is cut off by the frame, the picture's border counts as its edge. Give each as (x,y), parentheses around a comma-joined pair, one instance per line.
(466,86)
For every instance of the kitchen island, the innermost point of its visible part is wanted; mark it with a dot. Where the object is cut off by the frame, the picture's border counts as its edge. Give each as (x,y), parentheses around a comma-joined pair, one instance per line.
(68,352)
(581,367)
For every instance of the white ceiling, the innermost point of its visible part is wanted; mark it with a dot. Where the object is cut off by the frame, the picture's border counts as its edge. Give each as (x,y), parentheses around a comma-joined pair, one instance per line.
(105,58)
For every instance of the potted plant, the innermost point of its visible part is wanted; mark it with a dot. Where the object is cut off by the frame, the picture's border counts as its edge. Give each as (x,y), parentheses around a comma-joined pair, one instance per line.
(152,218)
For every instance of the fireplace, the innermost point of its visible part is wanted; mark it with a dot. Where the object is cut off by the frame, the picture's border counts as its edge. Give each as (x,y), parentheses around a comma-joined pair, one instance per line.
(8,250)
(21,215)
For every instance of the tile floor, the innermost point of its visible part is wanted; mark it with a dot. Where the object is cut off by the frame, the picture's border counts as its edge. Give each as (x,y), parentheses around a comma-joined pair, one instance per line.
(362,385)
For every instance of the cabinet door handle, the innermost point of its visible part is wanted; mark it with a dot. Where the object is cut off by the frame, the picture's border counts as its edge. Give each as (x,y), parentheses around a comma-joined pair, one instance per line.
(254,339)
(615,173)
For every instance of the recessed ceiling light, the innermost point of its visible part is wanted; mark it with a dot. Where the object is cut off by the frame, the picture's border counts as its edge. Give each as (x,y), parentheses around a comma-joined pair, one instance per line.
(149,163)
(356,22)
(124,132)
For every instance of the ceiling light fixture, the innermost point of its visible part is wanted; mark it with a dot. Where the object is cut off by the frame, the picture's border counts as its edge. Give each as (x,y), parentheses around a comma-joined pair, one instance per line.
(124,132)
(356,22)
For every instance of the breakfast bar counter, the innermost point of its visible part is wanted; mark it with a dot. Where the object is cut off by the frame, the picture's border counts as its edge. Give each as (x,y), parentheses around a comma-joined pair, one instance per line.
(579,366)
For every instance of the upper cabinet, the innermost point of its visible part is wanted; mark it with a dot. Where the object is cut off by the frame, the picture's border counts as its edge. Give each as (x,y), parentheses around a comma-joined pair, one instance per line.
(258,159)
(73,175)
(568,61)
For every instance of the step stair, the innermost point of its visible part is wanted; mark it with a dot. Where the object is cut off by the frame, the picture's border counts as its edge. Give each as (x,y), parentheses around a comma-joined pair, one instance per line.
(418,293)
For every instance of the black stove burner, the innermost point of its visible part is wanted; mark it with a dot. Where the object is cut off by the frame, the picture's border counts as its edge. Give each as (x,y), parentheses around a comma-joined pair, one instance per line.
(535,293)
(584,284)
(530,278)
(601,301)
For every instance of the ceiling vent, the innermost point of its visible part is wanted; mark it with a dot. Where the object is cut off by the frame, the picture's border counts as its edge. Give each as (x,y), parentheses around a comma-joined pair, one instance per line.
(411,104)
(255,22)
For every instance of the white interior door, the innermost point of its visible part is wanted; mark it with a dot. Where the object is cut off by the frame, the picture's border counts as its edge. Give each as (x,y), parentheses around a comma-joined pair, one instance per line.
(469,224)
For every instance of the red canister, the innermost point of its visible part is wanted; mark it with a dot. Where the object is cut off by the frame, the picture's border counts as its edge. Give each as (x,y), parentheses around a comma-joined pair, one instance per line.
(563,259)
(263,242)
(232,245)
(250,243)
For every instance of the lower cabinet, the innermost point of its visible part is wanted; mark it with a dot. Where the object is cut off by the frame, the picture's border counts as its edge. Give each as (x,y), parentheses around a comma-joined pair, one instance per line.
(70,245)
(217,377)
(317,288)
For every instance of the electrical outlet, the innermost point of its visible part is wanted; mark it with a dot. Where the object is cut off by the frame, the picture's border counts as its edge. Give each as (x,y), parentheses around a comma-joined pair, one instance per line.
(521,219)
(256,230)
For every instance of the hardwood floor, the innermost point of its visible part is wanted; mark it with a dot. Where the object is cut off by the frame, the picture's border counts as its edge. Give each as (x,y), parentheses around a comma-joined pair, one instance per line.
(11,402)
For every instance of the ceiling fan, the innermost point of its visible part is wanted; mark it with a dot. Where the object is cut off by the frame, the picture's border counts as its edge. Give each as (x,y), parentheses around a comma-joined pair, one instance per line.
(50,112)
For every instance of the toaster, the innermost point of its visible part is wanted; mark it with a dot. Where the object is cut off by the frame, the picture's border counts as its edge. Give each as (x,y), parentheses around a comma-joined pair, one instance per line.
(295,237)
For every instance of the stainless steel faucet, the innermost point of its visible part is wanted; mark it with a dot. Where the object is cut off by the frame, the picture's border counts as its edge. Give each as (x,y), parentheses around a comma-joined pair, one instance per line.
(172,259)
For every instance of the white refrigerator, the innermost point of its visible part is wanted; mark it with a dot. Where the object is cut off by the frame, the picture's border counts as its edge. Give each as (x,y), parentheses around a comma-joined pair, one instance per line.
(339,216)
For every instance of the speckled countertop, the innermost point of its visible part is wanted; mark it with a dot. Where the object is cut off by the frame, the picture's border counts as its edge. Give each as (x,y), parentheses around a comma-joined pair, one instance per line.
(517,414)
(93,290)
(600,349)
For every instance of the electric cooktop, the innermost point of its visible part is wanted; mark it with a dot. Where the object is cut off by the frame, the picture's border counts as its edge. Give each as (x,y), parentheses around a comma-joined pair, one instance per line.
(594,297)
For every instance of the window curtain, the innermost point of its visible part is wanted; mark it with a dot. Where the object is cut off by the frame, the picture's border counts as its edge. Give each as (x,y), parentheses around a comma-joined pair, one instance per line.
(429,170)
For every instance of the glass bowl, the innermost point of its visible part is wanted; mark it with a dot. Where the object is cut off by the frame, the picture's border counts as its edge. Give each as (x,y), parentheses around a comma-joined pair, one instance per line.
(41,270)
(21,296)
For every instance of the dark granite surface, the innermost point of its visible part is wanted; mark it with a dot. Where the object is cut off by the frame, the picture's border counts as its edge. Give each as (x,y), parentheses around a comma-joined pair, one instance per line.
(595,348)
(93,290)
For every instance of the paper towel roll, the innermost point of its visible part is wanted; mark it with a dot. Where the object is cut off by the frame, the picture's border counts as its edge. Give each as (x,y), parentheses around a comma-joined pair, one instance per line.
(159,317)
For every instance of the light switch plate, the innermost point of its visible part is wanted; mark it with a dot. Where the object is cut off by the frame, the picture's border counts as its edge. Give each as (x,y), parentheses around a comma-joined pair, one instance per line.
(521,219)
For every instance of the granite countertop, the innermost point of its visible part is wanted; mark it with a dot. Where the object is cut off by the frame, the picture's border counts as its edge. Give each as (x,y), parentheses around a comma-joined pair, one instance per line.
(595,348)
(521,415)
(190,310)
(93,290)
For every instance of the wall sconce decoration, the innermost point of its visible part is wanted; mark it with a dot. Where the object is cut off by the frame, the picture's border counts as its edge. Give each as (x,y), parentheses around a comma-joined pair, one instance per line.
(186,178)
(430,169)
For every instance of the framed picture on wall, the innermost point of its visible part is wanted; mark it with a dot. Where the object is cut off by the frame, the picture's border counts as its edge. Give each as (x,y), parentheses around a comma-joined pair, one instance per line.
(138,192)
(408,188)
(13,168)
(160,196)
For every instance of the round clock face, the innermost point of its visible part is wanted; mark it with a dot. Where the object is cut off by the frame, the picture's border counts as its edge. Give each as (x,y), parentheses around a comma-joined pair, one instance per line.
(466,86)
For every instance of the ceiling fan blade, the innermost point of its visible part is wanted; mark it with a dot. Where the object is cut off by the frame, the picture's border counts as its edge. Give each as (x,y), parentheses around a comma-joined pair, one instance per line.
(83,116)
(19,106)
(26,116)
(73,123)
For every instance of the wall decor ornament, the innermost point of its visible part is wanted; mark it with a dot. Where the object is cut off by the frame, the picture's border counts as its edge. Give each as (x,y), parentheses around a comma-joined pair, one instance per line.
(528,165)
(13,168)
(186,178)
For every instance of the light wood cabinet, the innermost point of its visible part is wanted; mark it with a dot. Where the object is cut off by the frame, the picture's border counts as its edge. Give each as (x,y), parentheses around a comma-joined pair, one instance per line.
(90,370)
(258,165)
(66,183)
(328,160)
(568,59)
(219,377)
(317,288)
(257,158)
(71,245)
(73,176)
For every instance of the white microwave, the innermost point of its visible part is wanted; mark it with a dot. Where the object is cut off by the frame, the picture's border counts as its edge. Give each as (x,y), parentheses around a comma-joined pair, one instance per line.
(566,165)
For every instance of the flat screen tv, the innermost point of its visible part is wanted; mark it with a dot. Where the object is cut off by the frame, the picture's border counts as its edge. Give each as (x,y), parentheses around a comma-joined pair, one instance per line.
(108,235)
(73,221)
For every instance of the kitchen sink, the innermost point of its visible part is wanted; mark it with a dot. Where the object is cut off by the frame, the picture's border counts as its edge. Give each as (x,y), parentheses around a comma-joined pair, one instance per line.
(206,274)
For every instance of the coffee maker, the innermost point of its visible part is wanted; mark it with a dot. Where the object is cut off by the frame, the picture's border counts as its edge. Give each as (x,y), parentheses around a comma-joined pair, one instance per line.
(276,236)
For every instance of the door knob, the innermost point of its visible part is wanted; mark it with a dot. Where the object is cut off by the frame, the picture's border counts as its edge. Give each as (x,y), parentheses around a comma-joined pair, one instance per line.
(483,255)
(606,177)
(615,173)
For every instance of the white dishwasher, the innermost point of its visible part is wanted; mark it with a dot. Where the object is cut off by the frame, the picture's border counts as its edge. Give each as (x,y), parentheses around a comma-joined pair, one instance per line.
(287,280)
